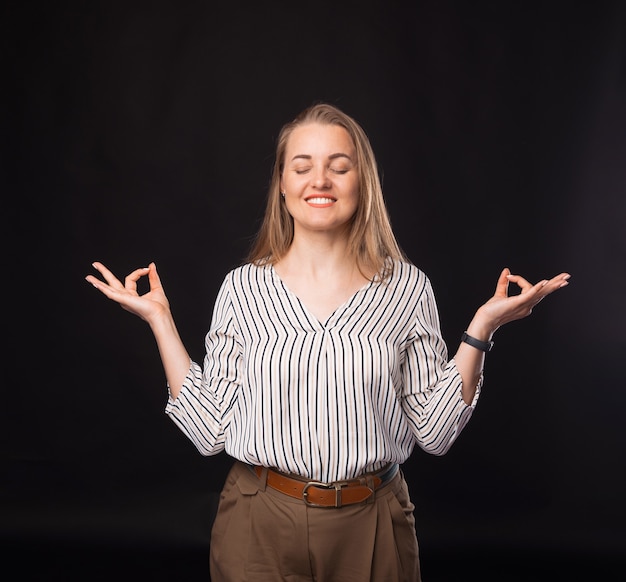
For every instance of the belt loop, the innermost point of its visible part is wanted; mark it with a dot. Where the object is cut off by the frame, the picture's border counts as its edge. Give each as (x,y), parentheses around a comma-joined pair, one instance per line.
(261,474)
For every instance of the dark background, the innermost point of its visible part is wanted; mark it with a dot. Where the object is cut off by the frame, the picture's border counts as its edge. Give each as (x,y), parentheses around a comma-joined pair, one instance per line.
(142,131)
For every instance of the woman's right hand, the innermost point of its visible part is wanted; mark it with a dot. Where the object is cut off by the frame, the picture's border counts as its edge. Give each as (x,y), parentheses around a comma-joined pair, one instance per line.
(149,306)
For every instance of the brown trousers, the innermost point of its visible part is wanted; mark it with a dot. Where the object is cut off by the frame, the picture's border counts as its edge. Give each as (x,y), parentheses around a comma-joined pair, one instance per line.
(262,535)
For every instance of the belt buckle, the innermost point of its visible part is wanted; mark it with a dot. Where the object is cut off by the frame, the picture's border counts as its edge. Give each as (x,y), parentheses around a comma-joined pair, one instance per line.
(337,486)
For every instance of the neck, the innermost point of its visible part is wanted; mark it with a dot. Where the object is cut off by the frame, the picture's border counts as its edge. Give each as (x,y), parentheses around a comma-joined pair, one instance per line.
(322,255)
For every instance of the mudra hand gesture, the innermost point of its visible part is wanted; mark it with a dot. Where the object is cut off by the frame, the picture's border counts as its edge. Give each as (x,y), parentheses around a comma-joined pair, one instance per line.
(503,308)
(148,306)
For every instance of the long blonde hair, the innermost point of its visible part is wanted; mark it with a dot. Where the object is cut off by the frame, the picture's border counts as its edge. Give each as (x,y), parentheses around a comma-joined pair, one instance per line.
(371,237)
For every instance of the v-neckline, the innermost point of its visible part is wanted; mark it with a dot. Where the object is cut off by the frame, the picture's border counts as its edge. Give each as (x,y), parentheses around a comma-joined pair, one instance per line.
(309,313)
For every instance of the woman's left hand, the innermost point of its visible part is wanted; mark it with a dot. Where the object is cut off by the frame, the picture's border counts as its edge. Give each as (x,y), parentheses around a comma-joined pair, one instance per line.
(503,308)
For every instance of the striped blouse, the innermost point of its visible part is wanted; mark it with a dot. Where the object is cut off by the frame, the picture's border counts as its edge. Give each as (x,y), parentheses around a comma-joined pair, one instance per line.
(325,400)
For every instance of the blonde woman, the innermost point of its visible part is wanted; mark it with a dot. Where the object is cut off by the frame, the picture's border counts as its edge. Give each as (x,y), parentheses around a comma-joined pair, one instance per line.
(324,368)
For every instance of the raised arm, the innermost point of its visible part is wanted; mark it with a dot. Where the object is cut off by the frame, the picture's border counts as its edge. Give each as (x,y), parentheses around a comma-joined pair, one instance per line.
(154,308)
(500,309)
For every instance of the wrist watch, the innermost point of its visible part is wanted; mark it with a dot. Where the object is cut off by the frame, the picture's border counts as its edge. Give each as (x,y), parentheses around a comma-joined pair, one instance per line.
(476,343)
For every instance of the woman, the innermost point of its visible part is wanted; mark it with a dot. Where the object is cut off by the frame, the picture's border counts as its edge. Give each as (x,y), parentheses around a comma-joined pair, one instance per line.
(324,367)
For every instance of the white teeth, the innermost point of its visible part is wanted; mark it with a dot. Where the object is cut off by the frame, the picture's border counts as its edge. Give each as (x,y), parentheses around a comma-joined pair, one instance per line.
(320,200)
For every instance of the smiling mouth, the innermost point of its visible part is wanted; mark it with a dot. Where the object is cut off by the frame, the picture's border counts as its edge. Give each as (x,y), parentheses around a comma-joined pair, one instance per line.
(320,201)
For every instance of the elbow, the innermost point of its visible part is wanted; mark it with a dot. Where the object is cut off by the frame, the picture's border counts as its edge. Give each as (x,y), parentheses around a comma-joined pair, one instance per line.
(207,449)
(438,443)
(436,449)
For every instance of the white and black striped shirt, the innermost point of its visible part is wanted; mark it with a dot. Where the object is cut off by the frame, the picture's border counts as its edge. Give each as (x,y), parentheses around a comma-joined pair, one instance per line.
(330,400)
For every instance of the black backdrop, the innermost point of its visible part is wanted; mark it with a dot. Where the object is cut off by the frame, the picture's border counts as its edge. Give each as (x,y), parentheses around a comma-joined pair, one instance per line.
(141,131)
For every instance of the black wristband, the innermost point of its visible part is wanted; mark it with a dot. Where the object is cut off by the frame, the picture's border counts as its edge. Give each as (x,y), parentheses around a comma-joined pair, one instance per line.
(476,343)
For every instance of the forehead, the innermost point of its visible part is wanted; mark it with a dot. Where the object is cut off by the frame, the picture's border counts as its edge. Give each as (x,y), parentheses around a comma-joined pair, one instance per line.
(318,139)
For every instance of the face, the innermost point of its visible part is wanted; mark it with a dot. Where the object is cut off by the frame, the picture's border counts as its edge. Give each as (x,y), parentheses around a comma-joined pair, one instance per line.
(320,178)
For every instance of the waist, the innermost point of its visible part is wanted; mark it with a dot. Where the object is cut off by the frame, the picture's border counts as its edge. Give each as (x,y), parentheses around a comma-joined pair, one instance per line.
(330,495)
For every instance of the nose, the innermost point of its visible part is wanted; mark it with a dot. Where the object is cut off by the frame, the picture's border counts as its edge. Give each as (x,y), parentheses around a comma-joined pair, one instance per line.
(319,178)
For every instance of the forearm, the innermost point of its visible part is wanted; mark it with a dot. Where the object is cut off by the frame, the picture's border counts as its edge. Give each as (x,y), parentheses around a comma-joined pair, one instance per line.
(470,360)
(174,355)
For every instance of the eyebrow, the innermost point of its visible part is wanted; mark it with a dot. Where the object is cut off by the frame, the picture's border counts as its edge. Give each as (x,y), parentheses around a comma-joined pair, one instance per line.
(331,157)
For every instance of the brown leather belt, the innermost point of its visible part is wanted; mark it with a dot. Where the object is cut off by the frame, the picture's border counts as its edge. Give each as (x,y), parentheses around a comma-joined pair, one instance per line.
(336,494)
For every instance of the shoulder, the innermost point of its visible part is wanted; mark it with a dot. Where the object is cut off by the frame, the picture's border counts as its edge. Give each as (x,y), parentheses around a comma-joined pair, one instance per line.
(246,276)
(408,280)
(405,271)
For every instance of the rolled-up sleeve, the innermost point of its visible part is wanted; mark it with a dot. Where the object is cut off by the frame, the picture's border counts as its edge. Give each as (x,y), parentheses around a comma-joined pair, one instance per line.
(432,398)
(202,408)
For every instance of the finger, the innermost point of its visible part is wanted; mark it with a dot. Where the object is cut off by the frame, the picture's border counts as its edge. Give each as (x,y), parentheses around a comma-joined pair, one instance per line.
(108,290)
(545,287)
(522,283)
(130,282)
(555,283)
(109,277)
(153,277)
(95,282)
(502,287)
(561,280)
